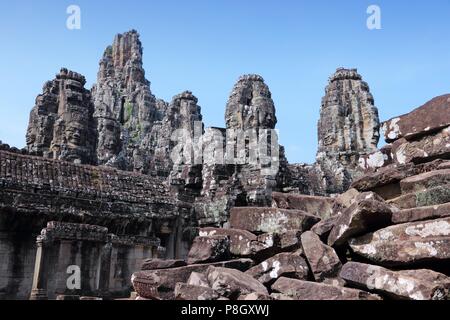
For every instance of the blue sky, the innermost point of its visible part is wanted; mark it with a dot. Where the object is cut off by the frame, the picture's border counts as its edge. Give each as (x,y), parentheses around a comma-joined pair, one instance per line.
(204,46)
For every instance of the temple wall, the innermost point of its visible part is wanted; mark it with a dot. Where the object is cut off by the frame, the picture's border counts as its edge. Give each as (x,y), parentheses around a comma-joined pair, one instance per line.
(133,208)
(17,253)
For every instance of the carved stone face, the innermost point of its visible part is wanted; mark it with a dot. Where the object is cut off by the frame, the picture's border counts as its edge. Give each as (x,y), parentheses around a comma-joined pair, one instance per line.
(375,136)
(31,136)
(76,134)
(109,140)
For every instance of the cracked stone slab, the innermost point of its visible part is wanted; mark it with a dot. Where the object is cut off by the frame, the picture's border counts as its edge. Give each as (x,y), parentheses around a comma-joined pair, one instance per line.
(271,220)
(411,284)
(161,283)
(318,206)
(433,115)
(421,213)
(368,213)
(322,259)
(232,283)
(424,149)
(209,249)
(307,290)
(287,264)
(406,244)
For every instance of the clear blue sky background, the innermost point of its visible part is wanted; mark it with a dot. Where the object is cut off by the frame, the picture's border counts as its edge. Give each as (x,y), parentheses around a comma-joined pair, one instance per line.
(204,46)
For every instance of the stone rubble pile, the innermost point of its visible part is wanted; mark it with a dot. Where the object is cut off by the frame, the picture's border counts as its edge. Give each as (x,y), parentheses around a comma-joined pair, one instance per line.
(388,237)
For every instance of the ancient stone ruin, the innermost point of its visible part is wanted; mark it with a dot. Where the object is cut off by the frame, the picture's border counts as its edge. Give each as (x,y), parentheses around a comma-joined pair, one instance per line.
(136,198)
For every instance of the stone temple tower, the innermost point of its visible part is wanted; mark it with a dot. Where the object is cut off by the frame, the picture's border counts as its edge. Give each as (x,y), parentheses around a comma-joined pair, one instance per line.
(61,123)
(250,105)
(349,121)
(348,128)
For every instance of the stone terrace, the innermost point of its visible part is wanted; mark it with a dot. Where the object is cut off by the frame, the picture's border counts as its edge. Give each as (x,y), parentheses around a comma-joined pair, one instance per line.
(80,193)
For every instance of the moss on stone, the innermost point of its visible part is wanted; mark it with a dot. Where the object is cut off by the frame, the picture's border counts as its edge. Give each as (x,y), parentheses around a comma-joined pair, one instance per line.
(433,196)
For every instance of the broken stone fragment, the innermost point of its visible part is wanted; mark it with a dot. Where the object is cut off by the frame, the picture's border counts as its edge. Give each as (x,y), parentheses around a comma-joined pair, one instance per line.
(425,180)
(209,249)
(152,264)
(424,149)
(384,176)
(232,283)
(198,279)
(406,244)
(161,283)
(324,227)
(185,291)
(289,240)
(244,243)
(344,200)
(444,164)
(146,285)
(429,197)
(271,220)
(386,181)
(424,120)
(396,284)
(421,213)
(430,276)
(306,290)
(318,206)
(255,297)
(290,265)
(377,159)
(280,296)
(323,260)
(368,213)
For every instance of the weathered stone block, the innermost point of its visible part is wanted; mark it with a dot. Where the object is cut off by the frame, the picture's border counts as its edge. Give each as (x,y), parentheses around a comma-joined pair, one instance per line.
(290,265)
(366,214)
(425,181)
(242,243)
(318,206)
(322,259)
(377,159)
(426,119)
(153,264)
(424,149)
(428,197)
(198,279)
(185,291)
(324,227)
(209,249)
(232,283)
(161,283)
(306,290)
(255,297)
(400,285)
(271,220)
(406,244)
(421,213)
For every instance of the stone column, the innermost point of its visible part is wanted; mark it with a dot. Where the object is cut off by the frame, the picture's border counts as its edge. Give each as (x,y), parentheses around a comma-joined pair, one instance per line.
(104,270)
(39,289)
(178,234)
